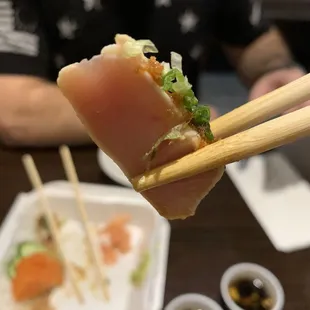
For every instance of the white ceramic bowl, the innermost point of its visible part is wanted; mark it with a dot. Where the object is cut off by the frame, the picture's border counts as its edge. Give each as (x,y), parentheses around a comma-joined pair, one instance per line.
(273,285)
(192,301)
(111,169)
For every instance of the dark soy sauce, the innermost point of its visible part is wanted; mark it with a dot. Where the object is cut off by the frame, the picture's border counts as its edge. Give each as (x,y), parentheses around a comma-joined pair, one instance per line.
(250,294)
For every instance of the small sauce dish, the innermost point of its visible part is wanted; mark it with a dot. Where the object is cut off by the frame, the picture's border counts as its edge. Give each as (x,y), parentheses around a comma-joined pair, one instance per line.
(248,286)
(193,302)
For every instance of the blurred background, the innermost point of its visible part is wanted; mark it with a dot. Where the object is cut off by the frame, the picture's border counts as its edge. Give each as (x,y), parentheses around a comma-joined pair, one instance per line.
(293,19)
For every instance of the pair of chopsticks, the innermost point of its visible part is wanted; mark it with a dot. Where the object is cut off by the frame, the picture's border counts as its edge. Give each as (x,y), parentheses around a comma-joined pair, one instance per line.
(235,141)
(36,182)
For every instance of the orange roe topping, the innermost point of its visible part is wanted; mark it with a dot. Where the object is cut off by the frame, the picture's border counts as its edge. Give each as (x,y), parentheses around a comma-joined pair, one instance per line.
(154,68)
(202,143)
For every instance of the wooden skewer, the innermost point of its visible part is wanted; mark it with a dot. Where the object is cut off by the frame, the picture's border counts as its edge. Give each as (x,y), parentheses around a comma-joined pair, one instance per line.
(263,108)
(256,140)
(73,179)
(36,182)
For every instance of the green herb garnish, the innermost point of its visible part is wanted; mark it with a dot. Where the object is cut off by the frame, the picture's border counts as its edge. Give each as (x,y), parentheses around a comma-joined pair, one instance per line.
(201,115)
(190,101)
(171,77)
(174,82)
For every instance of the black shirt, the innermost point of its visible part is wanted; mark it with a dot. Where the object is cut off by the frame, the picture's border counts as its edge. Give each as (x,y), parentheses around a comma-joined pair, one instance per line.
(297,34)
(38,37)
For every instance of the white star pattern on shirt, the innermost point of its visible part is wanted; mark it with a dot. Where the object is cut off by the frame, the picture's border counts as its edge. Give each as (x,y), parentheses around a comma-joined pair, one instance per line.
(196,51)
(90,5)
(256,13)
(67,28)
(188,21)
(160,3)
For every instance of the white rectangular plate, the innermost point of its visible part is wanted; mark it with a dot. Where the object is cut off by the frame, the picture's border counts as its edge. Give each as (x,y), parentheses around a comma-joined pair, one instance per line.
(278,197)
(102,202)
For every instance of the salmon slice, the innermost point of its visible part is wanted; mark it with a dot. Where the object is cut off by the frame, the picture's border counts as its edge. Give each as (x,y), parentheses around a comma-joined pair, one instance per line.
(110,254)
(36,275)
(126,113)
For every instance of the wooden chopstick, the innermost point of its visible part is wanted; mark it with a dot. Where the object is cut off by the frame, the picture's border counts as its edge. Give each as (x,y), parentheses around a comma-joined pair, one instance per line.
(73,179)
(263,108)
(256,140)
(36,182)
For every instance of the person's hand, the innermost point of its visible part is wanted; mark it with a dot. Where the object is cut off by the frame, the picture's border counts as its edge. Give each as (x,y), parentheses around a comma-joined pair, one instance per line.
(274,80)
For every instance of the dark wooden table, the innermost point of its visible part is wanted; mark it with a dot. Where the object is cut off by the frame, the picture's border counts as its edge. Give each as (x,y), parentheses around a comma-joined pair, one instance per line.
(223,232)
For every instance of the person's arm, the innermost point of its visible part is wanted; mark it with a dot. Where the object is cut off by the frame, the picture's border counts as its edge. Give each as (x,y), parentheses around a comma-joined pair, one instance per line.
(268,53)
(254,50)
(33,112)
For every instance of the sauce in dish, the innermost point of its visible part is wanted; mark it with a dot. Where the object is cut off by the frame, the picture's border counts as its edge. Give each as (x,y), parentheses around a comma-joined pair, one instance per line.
(250,294)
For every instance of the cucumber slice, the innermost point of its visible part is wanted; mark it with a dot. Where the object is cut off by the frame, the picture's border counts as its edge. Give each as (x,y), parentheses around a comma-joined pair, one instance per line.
(11,266)
(28,248)
(24,249)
